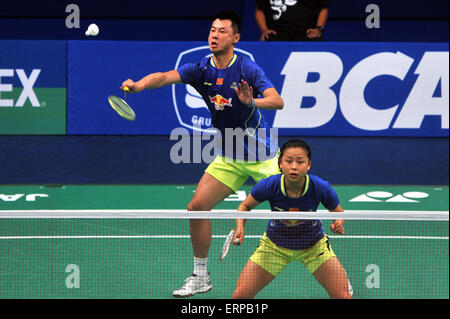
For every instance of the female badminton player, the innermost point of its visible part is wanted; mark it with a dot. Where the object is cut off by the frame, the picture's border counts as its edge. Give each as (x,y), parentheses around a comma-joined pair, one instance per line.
(291,240)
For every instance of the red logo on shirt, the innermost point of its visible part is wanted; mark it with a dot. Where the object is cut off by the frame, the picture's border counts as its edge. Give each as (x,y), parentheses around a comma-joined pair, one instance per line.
(219,102)
(290,223)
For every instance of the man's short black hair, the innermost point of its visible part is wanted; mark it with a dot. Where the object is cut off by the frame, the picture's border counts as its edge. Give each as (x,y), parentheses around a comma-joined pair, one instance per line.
(236,22)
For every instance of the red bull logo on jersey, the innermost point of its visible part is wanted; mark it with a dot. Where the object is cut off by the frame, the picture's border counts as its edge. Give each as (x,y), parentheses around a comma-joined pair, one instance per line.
(291,222)
(220,102)
(190,107)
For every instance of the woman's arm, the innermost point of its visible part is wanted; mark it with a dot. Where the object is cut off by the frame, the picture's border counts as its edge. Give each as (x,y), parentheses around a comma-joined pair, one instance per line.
(247,205)
(338,224)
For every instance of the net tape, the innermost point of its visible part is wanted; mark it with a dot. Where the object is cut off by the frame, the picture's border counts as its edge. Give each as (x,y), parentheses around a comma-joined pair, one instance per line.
(228,214)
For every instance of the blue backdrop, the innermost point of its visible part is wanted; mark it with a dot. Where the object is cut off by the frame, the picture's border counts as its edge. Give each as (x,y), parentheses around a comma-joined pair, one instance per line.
(329,89)
(145,159)
(371,158)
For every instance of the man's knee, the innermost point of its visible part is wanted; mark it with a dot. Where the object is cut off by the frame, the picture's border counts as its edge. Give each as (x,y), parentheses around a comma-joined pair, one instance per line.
(197,205)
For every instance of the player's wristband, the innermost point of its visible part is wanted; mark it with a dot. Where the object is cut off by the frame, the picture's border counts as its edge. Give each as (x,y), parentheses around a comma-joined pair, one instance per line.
(253,103)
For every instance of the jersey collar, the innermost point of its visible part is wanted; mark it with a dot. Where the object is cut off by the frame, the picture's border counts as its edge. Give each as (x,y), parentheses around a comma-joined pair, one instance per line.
(283,189)
(233,59)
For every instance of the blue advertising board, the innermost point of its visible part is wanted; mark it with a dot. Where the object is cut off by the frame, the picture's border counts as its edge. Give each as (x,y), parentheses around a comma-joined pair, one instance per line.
(329,88)
(33,87)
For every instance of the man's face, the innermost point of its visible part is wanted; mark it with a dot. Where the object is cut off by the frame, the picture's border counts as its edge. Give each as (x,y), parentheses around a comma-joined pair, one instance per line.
(221,37)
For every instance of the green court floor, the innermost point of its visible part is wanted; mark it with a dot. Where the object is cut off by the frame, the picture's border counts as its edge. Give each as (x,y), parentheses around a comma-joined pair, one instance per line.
(148,258)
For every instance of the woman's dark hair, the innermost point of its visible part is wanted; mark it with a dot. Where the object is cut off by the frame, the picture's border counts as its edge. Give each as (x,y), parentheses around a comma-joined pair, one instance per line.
(295,143)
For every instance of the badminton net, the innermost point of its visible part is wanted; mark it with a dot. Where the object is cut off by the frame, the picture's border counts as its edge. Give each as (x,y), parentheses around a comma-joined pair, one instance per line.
(148,253)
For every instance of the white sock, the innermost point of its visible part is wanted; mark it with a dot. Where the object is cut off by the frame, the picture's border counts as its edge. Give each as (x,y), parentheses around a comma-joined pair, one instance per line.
(201,266)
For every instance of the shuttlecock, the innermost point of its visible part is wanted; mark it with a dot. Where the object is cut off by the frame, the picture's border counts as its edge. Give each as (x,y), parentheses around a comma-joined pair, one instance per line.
(92,30)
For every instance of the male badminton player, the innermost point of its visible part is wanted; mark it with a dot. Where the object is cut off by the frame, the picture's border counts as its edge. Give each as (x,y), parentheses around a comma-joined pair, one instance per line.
(293,240)
(230,85)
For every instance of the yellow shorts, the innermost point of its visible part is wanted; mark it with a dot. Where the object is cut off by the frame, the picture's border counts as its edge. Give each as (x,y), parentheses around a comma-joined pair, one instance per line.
(234,174)
(274,258)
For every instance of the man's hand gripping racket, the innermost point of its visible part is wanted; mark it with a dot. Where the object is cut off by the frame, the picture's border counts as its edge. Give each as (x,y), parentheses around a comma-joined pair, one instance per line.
(121,106)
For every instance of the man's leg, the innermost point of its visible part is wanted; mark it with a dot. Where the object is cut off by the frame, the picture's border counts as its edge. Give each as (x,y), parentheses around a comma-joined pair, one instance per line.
(208,194)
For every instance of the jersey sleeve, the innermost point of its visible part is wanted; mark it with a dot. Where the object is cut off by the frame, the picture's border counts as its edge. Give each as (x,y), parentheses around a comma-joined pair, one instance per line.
(330,198)
(261,191)
(188,72)
(257,77)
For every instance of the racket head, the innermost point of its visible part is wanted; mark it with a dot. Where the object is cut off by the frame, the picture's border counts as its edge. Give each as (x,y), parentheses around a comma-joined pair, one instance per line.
(227,244)
(121,107)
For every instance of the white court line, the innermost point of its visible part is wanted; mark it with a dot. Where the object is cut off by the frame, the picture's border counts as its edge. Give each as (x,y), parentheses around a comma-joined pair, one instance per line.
(214,236)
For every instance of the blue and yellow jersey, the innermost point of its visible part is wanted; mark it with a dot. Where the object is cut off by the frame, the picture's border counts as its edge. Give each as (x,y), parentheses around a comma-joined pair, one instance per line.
(295,234)
(217,88)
